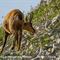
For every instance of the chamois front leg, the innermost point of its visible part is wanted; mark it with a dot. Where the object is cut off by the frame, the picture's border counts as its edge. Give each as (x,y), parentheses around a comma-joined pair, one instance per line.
(19,38)
(5,39)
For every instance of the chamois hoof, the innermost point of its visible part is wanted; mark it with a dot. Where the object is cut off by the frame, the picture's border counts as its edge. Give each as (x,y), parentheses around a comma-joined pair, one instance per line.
(1,49)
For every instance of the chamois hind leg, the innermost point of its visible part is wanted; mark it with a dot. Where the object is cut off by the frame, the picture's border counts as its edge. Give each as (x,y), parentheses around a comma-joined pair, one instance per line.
(5,39)
(19,38)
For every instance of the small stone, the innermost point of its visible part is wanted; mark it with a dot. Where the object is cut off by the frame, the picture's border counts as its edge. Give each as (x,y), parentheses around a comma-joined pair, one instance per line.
(42,57)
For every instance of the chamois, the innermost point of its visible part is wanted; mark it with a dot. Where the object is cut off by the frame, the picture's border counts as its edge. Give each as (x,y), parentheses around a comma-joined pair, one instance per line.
(14,24)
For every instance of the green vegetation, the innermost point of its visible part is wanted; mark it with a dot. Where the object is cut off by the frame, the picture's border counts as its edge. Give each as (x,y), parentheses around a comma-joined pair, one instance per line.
(46,11)
(1,34)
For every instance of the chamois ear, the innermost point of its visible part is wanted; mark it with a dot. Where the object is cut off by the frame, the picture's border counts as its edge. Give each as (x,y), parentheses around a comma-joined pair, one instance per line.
(30,17)
(26,18)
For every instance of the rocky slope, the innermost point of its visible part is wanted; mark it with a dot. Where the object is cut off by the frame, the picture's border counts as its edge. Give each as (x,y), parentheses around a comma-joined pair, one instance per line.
(45,44)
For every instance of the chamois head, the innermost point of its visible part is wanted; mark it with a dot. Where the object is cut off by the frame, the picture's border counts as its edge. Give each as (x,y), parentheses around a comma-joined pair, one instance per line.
(28,25)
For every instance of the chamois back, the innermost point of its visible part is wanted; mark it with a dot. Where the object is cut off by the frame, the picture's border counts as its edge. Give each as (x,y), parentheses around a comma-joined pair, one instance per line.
(13,20)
